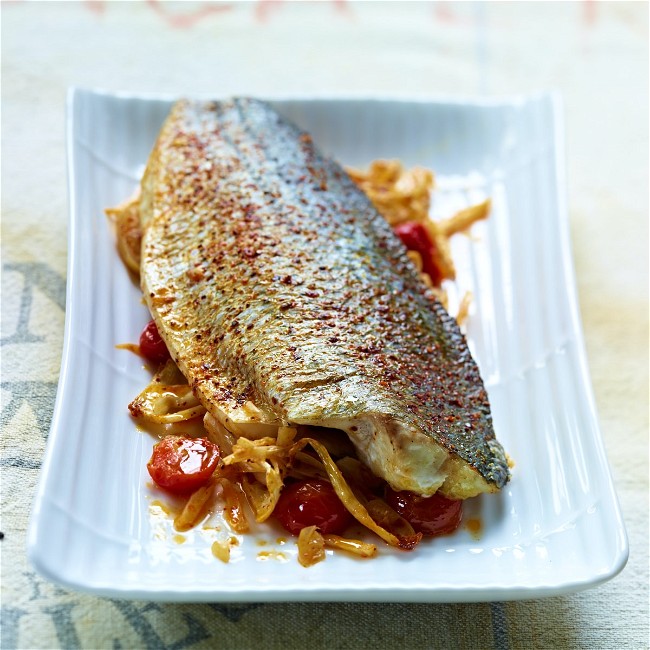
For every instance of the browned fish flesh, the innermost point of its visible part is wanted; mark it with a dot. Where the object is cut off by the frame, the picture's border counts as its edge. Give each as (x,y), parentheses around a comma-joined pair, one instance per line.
(286,299)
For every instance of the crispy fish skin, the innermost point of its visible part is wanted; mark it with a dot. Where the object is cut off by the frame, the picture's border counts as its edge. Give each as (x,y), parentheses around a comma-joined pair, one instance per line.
(276,284)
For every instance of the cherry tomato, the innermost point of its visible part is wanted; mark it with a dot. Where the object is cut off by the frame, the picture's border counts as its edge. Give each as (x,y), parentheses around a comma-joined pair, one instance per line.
(181,464)
(434,515)
(416,238)
(152,347)
(311,502)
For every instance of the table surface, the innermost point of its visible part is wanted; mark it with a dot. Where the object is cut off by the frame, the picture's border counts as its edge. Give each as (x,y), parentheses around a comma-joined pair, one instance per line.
(595,54)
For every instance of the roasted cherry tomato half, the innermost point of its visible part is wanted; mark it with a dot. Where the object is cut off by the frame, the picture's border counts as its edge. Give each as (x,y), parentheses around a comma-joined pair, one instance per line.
(434,515)
(181,464)
(416,238)
(311,502)
(152,347)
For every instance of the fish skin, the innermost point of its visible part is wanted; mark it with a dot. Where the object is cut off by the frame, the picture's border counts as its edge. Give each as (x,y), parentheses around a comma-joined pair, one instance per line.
(274,281)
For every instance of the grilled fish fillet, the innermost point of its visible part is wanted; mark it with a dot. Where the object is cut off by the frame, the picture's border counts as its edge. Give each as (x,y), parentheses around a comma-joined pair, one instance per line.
(285,298)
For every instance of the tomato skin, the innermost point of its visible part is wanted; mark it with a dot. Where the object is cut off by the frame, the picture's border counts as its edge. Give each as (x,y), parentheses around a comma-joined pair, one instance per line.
(311,502)
(152,347)
(416,238)
(434,515)
(181,464)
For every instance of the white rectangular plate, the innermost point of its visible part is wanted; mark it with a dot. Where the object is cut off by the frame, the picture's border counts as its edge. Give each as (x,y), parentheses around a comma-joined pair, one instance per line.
(555,528)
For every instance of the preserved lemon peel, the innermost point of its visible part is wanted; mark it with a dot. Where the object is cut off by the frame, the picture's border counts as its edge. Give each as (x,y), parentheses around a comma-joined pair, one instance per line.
(311,546)
(234,505)
(166,404)
(354,546)
(126,219)
(464,219)
(195,507)
(167,399)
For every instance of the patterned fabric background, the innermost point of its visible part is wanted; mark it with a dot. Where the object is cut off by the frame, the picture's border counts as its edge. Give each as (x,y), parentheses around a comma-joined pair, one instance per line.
(595,53)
